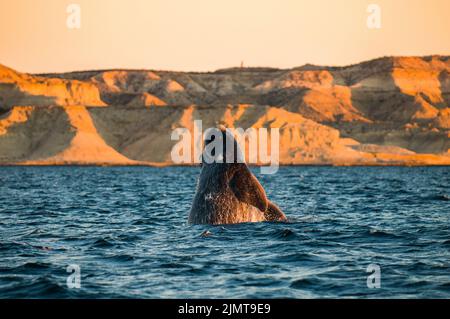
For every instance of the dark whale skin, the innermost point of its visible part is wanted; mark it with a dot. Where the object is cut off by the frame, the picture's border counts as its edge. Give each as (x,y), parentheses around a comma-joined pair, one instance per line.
(228,193)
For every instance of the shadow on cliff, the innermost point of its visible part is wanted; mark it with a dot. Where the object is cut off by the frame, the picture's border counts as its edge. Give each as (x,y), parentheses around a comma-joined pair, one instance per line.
(394,115)
(11,95)
(45,133)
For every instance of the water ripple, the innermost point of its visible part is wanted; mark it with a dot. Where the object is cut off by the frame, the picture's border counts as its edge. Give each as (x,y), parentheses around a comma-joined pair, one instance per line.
(125,227)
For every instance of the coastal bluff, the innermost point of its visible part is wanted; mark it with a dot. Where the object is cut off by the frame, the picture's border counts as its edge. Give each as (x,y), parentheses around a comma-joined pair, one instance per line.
(387,111)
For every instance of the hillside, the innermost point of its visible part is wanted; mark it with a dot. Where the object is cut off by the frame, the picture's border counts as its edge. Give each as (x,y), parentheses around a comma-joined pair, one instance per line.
(392,110)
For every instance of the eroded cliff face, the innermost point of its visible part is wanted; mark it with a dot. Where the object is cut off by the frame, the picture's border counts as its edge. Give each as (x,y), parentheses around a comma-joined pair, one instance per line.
(384,111)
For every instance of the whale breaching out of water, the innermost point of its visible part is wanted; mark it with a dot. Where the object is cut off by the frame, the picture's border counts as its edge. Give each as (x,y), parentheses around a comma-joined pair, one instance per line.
(227,192)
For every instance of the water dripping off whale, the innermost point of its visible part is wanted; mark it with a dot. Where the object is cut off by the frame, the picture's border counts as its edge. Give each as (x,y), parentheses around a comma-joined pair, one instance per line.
(227,192)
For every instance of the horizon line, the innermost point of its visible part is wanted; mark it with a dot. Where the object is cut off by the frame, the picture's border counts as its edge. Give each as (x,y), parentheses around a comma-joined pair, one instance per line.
(227,68)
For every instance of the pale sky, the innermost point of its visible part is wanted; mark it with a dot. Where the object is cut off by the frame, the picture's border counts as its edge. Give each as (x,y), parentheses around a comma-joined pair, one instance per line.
(204,35)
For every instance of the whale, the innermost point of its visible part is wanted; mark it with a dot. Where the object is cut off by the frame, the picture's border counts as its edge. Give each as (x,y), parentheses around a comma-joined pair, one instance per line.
(227,192)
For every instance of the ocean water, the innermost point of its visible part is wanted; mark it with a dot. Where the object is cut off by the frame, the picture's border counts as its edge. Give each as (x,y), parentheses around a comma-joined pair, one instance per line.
(125,229)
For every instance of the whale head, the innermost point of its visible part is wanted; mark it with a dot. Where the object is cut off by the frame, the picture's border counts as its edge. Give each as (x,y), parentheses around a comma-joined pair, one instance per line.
(221,147)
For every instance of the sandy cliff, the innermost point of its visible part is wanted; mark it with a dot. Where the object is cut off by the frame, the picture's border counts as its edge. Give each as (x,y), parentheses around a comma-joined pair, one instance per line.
(392,110)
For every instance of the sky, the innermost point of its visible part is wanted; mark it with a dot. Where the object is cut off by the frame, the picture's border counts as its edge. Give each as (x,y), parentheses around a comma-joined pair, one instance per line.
(205,35)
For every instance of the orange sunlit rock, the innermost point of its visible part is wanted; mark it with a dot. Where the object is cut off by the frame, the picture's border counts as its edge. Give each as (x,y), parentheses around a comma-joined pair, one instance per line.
(387,111)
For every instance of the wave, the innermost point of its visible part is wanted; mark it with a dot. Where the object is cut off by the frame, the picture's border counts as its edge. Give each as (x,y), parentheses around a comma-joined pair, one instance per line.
(40,287)
(382,234)
(102,243)
(440,197)
(285,233)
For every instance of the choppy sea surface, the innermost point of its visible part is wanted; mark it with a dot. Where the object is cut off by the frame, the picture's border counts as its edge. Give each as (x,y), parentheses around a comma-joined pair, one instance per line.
(125,229)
